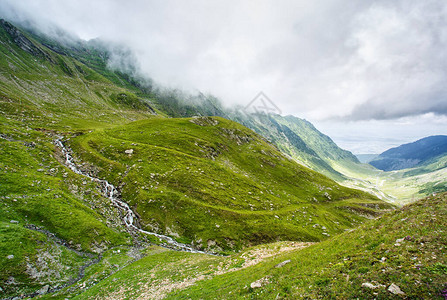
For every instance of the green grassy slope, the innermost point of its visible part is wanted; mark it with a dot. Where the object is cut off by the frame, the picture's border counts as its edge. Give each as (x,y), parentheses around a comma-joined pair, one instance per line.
(320,143)
(36,190)
(411,184)
(401,186)
(300,140)
(420,169)
(433,173)
(218,185)
(405,247)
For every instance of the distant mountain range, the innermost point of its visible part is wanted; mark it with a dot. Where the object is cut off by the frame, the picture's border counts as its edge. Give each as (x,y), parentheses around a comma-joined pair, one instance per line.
(412,155)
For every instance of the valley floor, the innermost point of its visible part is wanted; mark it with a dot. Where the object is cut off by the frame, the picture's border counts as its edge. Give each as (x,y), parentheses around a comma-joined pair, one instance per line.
(397,187)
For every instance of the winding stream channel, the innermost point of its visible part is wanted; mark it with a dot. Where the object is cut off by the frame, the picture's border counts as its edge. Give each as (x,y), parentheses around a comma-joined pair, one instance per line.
(129,218)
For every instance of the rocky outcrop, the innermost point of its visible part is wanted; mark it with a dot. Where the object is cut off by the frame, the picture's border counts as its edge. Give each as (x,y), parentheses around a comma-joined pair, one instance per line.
(204,121)
(22,41)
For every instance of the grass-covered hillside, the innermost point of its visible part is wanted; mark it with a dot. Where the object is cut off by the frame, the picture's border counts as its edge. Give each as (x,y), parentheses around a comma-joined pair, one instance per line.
(53,223)
(425,171)
(216,184)
(398,256)
(417,169)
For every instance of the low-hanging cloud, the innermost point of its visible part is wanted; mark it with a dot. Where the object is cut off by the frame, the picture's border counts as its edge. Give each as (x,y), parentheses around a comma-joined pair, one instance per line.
(341,59)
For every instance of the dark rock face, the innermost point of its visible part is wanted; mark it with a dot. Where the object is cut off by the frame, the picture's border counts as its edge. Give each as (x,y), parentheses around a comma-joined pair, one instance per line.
(22,41)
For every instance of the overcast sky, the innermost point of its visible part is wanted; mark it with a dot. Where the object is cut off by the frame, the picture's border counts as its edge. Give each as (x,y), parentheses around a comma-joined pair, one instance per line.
(370,74)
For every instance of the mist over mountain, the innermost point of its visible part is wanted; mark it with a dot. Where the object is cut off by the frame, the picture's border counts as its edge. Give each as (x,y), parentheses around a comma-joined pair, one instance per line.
(371,62)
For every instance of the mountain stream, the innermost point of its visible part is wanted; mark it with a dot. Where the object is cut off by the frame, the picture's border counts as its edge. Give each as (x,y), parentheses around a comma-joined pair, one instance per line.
(110,191)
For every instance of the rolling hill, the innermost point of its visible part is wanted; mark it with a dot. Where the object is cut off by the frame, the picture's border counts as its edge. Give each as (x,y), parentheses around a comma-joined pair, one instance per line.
(217,184)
